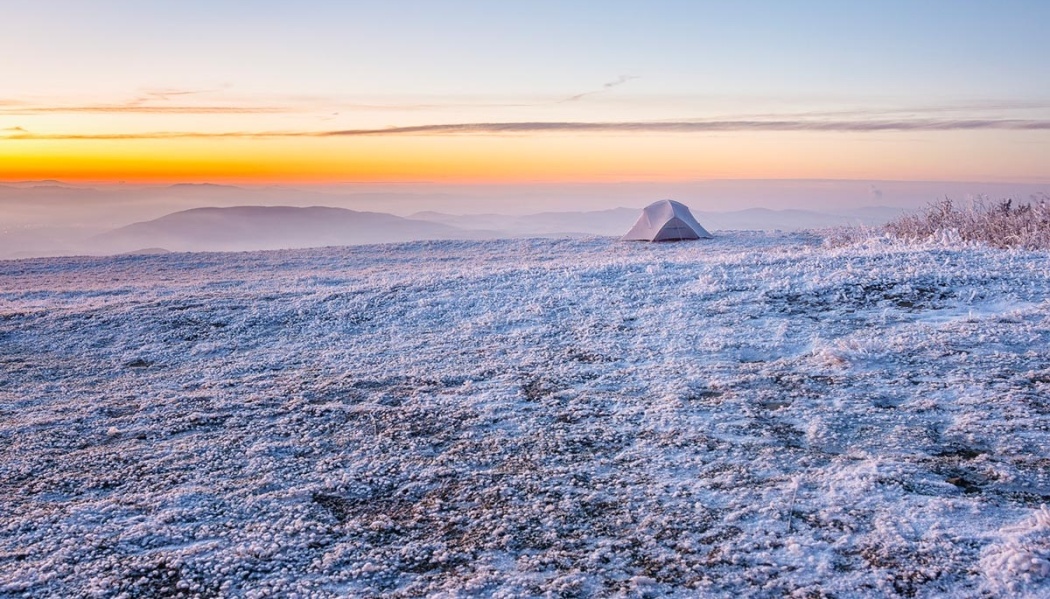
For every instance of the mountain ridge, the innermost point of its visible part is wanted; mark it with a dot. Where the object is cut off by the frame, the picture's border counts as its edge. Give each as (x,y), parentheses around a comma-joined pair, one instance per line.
(269,227)
(246,228)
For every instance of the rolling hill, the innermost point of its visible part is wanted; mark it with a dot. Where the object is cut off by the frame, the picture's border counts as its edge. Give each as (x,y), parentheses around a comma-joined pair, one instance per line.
(245,228)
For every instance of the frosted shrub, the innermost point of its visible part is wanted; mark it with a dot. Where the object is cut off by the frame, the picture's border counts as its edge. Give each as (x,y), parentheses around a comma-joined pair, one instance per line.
(1001,224)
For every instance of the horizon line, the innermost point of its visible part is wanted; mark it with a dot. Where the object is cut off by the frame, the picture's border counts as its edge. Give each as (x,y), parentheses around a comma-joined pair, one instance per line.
(57,181)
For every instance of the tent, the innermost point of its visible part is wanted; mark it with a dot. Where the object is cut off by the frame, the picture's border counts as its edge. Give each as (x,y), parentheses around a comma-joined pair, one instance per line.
(666,220)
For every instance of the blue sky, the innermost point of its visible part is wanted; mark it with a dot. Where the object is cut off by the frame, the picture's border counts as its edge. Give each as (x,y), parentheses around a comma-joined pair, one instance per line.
(790,49)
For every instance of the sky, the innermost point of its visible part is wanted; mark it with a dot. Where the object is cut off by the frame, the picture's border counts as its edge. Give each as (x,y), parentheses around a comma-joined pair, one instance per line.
(460,91)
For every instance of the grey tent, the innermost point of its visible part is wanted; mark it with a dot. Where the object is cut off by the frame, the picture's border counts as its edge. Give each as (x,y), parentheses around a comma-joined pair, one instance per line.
(666,220)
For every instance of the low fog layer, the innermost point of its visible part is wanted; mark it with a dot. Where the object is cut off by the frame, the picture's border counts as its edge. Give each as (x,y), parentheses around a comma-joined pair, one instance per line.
(50,218)
(248,228)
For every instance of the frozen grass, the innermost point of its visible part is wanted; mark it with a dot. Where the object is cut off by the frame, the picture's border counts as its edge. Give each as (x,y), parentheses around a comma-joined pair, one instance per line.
(1001,224)
(1022,556)
(754,415)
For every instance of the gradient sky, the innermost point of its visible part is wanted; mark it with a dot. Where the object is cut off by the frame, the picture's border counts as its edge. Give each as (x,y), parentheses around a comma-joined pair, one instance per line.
(482,91)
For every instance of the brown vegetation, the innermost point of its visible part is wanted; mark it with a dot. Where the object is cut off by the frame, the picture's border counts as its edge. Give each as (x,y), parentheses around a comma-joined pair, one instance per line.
(1002,224)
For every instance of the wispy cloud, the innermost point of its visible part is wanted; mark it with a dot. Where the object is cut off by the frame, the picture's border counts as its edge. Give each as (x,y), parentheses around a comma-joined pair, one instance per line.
(148,101)
(976,111)
(141,108)
(704,126)
(540,127)
(30,136)
(161,102)
(605,87)
(222,101)
(165,93)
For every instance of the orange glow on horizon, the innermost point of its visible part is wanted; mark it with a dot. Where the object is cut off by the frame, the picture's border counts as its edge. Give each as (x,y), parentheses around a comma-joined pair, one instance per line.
(500,159)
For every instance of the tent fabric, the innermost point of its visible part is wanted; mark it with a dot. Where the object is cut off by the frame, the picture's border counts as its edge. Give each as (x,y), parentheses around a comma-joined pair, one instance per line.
(666,220)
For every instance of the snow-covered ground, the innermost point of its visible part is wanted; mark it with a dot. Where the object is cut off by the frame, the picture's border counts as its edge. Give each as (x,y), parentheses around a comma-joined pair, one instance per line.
(754,415)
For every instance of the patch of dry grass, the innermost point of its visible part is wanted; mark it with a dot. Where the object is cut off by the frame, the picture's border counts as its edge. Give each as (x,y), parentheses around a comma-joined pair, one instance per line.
(1001,224)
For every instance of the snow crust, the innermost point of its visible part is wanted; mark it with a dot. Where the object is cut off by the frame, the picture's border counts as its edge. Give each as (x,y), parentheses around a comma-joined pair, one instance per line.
(754,415)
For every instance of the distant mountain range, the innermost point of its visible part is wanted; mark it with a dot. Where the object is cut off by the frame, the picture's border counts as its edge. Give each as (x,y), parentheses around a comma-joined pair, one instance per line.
(51,218)
(599,222)
(618,220)
(248,228)
(245,228)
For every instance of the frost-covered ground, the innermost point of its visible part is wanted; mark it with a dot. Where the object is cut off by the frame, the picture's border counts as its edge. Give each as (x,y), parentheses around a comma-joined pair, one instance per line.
(754,415)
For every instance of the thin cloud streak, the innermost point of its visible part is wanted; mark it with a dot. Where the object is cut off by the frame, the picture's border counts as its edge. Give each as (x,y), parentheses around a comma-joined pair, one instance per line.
(136,108)
(144,107)
(703,126)
(929,112)
(149,135)
(166,93)
(605,87)
(539,127)
(149,101)
(157,102)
